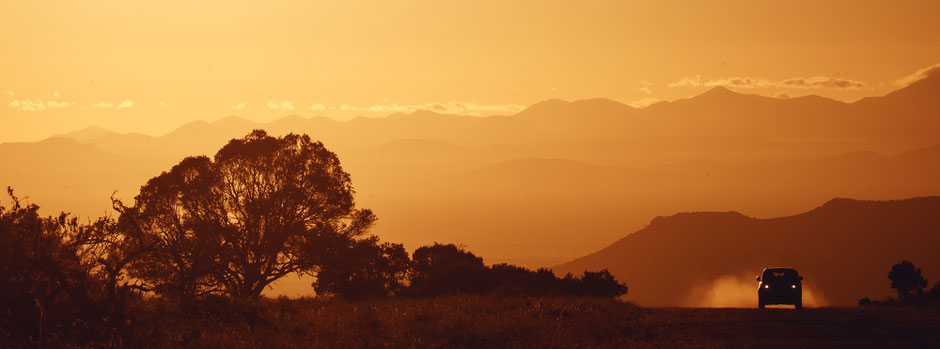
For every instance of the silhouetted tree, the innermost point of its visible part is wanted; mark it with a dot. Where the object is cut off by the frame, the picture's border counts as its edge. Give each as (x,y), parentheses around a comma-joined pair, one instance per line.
(365,269)
(934,292)
(601,284)
(60,279)
(907,280)
(444,269)
(263,208)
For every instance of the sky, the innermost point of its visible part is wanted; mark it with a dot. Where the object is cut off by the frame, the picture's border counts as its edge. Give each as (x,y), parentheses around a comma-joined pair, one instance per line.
(151,66)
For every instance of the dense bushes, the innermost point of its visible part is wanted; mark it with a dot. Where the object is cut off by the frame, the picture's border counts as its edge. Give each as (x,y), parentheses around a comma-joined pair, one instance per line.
(446,269)
(59,280)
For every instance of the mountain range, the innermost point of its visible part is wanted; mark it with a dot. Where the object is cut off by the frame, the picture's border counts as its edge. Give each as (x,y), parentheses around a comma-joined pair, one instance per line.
(556,181)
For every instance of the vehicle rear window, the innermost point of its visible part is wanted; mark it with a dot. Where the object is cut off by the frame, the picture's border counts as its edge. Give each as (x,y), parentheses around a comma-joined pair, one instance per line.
(779,274)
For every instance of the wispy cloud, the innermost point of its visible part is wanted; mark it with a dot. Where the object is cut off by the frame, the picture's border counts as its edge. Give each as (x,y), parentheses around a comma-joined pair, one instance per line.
(55,104)
(10,92)
(282,105)
(823,82)
(239,106)
(816,82)
(452,107)
(644,102)
(127,104)
(740,82)
(28,105)
(919,75)
(39,105)
(687,81)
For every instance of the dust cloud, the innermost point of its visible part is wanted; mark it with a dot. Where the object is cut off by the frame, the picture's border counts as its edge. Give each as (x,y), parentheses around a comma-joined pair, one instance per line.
(740,291)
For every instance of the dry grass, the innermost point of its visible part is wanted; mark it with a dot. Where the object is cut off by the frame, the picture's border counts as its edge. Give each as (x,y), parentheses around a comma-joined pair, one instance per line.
(488,321)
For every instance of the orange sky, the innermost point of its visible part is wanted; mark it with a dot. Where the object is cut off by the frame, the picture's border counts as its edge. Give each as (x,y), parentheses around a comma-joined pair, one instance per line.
(149,66)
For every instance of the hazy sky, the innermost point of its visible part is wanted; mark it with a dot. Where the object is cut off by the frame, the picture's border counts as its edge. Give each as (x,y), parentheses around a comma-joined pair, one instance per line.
(149,66)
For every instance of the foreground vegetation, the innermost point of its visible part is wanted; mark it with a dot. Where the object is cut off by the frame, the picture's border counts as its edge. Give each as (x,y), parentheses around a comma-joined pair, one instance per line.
(504,321)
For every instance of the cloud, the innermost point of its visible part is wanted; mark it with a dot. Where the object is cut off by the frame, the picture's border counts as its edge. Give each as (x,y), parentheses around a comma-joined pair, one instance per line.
(239,106)
(816,82)
(54,104)
(919,75)
(127,104)
(10,92)
(38,105)
(823,82)
(318,107)
(740,82)
(644,102)
(645,89)
(57,94)
(28,105)
(452,107)
(282,105)
(687,82)
(782,95)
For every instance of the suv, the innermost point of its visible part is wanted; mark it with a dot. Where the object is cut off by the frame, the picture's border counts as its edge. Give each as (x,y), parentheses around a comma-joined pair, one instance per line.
(780,286)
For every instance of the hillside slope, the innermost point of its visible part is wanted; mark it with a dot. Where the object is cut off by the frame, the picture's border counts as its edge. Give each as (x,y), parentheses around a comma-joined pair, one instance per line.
(844,248)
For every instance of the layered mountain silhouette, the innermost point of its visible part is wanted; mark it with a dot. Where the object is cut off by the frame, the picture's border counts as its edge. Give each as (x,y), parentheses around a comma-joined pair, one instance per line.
(902,120)
(844,249)
(557,180)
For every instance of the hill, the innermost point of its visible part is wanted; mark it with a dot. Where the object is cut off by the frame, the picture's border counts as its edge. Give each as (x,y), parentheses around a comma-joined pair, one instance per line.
(844,249)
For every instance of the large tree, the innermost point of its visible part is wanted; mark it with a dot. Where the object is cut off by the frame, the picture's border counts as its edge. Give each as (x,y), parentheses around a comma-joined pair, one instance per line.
(263,208)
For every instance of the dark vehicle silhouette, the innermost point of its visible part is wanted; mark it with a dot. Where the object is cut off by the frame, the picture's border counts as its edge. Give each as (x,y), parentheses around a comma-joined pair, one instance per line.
(780,286)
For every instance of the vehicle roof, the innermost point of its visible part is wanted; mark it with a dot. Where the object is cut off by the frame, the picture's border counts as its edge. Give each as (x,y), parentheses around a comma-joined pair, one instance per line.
(779,269)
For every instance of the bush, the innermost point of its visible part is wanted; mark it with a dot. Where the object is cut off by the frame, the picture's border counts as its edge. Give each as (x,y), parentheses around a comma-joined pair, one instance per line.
(447,269)
(59,279)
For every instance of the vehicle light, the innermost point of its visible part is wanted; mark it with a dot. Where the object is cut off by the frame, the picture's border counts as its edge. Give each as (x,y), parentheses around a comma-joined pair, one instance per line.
(793,286)
(766,286)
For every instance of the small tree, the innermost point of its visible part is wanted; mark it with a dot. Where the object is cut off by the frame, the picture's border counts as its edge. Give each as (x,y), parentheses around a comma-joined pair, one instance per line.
(365,269)
(443,269)
(907,280)
(263,208)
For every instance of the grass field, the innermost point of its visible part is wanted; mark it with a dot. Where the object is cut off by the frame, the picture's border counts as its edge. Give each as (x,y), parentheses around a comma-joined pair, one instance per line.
(487,321)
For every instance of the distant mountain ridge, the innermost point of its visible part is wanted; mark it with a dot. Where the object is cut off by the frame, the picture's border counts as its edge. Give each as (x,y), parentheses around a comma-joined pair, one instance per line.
(904,119)
(554,182)
(844,248)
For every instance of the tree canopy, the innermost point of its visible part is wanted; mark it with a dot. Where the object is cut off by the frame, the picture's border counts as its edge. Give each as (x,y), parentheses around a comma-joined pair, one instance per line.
(907,279)
(262,208)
